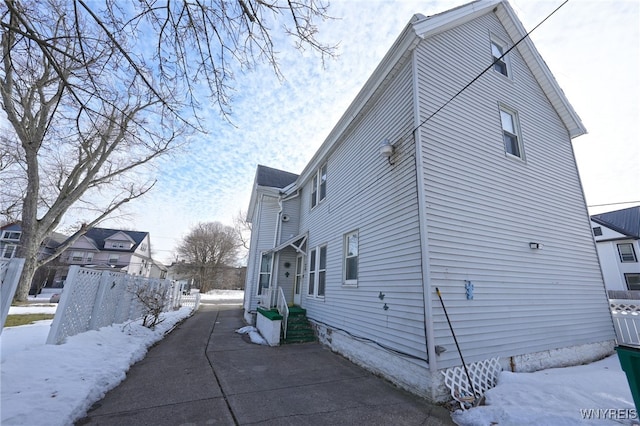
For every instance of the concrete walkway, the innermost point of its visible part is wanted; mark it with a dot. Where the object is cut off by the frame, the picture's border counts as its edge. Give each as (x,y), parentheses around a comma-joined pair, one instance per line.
(204,373)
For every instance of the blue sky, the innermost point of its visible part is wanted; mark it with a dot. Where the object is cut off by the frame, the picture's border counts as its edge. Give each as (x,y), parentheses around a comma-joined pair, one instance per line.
(592,48)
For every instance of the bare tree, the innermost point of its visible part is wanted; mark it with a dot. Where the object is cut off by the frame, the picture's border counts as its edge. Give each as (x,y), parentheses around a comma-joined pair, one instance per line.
(92,98)
(206,251)
(243,228)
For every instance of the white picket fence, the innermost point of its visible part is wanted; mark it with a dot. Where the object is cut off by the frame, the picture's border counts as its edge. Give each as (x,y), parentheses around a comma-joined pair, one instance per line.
(626,320)
(92,299)
(10,270)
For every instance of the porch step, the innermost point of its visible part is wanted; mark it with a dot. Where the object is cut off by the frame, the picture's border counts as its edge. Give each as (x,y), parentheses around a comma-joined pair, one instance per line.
(299,329)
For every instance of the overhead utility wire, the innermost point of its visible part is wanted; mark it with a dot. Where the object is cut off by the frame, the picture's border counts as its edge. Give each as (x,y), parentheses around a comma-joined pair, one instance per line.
(484,71)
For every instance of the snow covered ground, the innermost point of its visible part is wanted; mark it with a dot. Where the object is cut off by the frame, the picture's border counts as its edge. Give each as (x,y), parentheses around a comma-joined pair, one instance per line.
(56,384)
(63,381)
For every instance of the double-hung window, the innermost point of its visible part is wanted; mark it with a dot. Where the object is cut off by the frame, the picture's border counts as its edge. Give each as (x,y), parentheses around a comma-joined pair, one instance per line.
(113,259)
(511,132)
(317,271)
(499,59)
(9,251)
(265,272)
(351,258)
(319,186)
(77,256)
(627,253)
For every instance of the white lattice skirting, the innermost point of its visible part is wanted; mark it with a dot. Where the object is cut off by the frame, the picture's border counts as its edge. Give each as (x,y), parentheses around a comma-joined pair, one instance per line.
(484,376)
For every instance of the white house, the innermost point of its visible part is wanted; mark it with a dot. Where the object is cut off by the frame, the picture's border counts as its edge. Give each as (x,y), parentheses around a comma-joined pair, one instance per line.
(423,185)
(617,236)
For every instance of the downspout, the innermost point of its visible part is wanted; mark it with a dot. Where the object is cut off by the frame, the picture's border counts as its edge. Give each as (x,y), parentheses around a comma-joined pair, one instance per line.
(422,217)
(276,255)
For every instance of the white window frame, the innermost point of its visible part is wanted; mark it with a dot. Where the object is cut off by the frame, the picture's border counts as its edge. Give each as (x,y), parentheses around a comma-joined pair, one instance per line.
(89,256)
(348,255)
(77,256)
(505,61)
(8,235)
(10,250)
(514,131)
(317,273)
(319,186)
(262,273)
(114,259)
(628,257)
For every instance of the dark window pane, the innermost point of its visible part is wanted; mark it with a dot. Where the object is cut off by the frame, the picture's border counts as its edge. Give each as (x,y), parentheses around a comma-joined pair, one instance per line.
(351,272)
(321,281)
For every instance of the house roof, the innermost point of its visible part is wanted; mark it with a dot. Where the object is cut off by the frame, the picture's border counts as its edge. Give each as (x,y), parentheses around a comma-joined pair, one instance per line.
(420,28)
(625,221)
(267,176)
(99,235)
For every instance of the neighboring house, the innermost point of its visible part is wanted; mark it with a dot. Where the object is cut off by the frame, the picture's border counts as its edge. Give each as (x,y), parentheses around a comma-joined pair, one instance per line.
(102,248)
(158,270)
(9,241)
(617,236)
(398,201)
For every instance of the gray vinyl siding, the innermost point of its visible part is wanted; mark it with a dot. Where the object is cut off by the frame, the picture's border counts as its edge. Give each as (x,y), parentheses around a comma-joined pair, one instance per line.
(264,224)
(291,228)
(483,208)
(366,193)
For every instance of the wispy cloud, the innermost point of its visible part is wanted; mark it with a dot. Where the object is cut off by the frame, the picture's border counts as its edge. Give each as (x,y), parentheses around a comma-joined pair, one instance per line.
(592,47)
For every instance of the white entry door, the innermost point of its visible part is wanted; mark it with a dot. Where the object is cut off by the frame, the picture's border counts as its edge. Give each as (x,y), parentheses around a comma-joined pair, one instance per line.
(297,282)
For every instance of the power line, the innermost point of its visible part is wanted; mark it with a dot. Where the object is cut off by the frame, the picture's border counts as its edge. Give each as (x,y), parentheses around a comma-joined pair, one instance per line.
(613,204)
(482,73)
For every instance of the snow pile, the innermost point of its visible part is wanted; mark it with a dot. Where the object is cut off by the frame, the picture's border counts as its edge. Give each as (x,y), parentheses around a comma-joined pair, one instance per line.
(596,393)
(62,381)
(254,334)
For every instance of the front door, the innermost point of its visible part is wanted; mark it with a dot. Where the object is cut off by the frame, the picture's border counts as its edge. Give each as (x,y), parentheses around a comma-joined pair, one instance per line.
(297,281)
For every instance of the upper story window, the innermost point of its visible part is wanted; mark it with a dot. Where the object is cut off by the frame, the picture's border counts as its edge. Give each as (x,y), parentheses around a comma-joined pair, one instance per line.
(633,281)
(500,60)
(317,271)
(89,256)
(77,256)
(319,186)
(11,235)
(351,258)
(511,132)
(597,231)
(113,259)
(627,252)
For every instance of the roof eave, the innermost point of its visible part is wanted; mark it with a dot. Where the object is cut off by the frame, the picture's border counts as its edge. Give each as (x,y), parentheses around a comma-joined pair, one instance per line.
(540,70)
(404,44)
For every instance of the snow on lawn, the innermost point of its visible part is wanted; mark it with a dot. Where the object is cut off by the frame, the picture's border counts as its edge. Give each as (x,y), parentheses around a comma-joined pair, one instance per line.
(63,381)
(597,393)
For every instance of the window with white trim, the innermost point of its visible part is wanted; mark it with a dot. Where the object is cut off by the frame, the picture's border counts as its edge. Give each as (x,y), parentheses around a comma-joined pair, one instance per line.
(317,271)
(500,62)
(113,259)
(511,132)
(319,186)
(9,251)
(89,256)
(265,272)
(351,258)
(627,253)
(11,235)
(77,256)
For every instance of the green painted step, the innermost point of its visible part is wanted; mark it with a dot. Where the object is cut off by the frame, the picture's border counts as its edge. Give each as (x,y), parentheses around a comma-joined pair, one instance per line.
(299,329)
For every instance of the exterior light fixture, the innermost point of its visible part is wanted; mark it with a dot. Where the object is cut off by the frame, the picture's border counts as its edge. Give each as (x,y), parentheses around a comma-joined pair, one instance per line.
(535,246)
(386,150)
